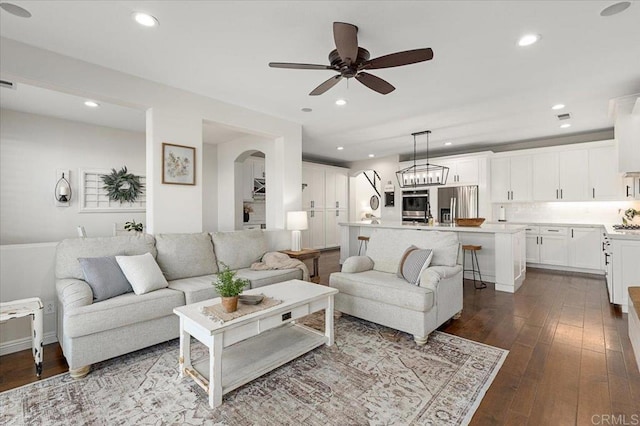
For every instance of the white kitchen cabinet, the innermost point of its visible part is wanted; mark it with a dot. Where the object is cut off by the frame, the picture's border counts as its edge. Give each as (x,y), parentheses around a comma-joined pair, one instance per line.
(626,269)
(561,175)
(585,249)
(336,189)
(313,192)
(553,245)
(462,171)
(332,229)
(533,244)
(631,187)
(258,168)
(605,183)
(627,133)
(511,178)
(314,236)
(247,180)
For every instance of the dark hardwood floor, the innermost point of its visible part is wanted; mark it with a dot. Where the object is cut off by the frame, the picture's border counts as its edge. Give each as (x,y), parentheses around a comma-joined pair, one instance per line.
(570,360)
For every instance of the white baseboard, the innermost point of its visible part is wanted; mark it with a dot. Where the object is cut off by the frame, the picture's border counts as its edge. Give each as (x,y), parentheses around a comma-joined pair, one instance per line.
(25,343)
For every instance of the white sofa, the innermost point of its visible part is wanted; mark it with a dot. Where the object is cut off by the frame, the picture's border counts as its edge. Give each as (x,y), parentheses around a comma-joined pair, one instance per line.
(91,332)
(369,288)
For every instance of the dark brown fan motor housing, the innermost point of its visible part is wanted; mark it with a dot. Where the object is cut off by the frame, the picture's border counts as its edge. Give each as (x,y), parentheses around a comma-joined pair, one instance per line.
(350,60)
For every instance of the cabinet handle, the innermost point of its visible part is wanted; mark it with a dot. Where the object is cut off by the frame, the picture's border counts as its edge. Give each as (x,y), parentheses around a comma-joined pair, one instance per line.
(593,192)
(337,204)
(628,188)
(603,246)
(312,204)
(606,258)
(572,233)
(312,213)
(537,240)
(553,230)
(540,240)
(337,213)
(561,197)
(556,194)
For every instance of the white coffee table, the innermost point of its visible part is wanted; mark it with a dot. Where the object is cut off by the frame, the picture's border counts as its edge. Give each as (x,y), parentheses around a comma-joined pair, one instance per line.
(245,348)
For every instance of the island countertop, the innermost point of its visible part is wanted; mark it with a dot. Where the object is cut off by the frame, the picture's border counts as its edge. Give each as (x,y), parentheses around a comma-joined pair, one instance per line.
(485,228)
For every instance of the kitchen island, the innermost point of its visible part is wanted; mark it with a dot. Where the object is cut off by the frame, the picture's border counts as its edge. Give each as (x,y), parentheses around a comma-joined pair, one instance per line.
(502,258)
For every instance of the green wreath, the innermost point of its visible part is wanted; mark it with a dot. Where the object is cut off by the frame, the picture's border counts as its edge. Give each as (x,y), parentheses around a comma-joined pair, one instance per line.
(122,186)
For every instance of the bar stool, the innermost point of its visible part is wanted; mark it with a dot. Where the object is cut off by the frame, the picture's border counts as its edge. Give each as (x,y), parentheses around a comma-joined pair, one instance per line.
(474,250)
(363,240)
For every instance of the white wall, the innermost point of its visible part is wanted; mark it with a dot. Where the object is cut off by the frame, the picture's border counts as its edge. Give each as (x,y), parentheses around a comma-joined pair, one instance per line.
(386,168)
(32,147)
(363,191)
(209,187)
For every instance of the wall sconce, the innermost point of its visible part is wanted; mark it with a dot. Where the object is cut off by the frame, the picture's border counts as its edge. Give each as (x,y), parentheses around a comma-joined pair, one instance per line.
(62,191)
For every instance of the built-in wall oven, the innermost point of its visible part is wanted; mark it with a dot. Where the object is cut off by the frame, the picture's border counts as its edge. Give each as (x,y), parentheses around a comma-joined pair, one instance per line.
(415,205)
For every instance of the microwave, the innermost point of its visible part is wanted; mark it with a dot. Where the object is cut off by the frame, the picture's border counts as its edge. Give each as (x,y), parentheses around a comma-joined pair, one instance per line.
(415,205)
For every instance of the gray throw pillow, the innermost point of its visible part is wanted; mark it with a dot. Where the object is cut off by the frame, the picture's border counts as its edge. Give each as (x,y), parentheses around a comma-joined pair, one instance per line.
(104,276)
(414,261)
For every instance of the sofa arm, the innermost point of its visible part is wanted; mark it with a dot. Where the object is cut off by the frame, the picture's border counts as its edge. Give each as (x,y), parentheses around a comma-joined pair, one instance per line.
(356,264)
(432,275)
(73,293)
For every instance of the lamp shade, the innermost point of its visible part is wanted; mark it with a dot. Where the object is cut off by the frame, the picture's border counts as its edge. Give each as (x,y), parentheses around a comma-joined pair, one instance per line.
(297,221)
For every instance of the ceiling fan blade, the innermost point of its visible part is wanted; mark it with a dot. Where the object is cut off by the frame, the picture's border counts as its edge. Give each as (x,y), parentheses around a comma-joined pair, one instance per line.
(399,58)
(326,85)
(346,38)
(299,66)
(375,83)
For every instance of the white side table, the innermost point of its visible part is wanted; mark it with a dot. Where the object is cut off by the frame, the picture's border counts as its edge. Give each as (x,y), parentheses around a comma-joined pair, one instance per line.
(22,308)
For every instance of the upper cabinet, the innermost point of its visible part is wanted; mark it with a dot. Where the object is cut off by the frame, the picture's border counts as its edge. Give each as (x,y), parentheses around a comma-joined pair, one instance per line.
(561,176)
(627,133)
(462,171)
(605,183)
(511,178)
(336,189)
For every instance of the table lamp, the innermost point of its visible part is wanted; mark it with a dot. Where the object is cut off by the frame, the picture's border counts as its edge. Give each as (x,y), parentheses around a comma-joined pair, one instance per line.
(296,222)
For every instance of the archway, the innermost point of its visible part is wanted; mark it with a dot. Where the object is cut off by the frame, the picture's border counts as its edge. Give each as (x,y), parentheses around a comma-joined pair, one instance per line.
(367,197)
(250,190)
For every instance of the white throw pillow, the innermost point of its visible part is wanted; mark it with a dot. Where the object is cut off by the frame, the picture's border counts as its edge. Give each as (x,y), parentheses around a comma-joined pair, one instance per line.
(142,272)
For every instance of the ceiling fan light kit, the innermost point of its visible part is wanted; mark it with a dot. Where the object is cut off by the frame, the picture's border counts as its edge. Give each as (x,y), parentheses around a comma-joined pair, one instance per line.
(424,174)
(352,61)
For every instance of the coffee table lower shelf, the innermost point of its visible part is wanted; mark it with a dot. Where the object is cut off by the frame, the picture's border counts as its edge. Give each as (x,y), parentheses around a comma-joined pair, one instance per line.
(251,358)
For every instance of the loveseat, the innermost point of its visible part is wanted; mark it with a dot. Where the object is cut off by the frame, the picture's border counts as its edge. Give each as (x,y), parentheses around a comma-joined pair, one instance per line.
(370,288)
(91,331)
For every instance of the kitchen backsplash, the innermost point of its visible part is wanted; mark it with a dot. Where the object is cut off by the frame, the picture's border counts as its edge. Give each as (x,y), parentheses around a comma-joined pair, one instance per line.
(605,212)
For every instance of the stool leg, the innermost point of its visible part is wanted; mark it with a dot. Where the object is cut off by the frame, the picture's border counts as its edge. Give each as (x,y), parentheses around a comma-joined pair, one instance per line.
(360,248)
(37,330)
(482,284)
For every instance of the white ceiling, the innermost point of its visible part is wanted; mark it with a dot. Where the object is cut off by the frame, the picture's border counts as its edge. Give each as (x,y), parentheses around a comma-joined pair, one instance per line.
(480,88)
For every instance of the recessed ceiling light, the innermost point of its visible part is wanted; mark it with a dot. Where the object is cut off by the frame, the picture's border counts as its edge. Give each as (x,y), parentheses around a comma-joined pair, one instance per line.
(145,19)
(15,10)
(92,104)
(565,125)
(340,148)
(371,155)
(558,106)
(306,110)
(447,143)
(341,102)
(528,39)
(615,8)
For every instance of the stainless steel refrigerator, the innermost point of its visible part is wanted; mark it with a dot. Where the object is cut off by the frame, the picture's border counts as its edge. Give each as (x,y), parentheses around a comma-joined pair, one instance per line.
(457,202)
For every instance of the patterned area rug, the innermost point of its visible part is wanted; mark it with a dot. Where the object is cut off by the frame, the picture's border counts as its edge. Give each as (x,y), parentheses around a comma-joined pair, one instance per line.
(372,375)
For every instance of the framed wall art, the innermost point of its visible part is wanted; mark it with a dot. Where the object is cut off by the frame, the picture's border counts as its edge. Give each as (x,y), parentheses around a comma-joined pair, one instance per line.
(178,164)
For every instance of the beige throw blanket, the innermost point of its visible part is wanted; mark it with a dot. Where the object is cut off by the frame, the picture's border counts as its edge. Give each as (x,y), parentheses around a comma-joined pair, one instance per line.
(277,260)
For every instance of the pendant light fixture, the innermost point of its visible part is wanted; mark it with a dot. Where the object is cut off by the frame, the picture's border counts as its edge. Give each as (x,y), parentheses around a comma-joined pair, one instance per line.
(424,174)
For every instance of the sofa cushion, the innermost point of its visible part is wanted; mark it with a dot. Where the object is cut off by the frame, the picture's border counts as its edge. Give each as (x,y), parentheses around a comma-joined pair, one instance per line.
(185,255)
(196,289)
(239,249)
(433,274)
(104,276)
(142,272)
(120,311)
(386,247)
(414,262)
(383,287)
(355,264)
(270,276)
(68,251)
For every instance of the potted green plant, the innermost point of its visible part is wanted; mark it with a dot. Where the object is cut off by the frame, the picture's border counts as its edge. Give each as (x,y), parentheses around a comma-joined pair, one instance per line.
(229,287)
(133,226)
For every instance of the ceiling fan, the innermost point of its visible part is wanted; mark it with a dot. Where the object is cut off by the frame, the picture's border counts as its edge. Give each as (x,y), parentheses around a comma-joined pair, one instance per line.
(350,61)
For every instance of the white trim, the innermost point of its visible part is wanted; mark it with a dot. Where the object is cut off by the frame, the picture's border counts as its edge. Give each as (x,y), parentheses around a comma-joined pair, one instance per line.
(565,268)
(18,345)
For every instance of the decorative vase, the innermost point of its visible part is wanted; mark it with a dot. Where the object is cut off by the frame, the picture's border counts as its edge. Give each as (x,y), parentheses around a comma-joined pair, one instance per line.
(245,217)
(230,304)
